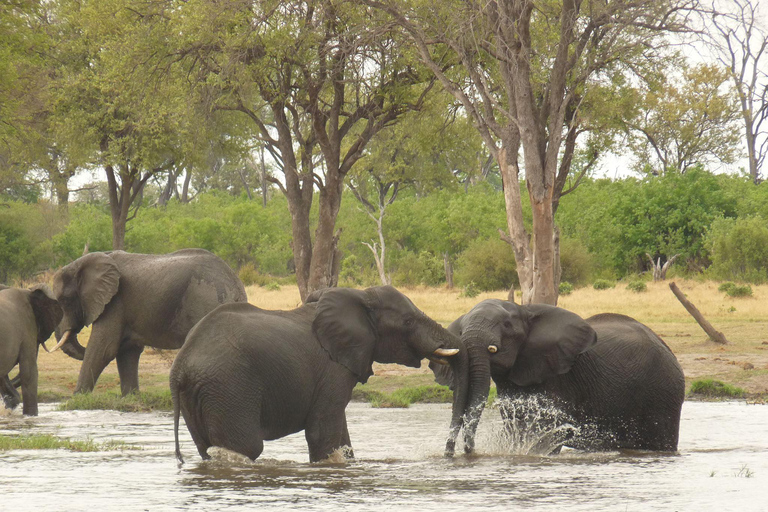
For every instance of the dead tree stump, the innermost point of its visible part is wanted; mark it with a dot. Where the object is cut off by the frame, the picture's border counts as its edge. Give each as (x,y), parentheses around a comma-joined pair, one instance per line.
(659,270)
(713,334)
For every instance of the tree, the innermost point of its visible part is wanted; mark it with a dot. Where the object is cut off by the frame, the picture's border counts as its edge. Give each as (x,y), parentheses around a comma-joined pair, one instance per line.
(131,122)
(428,149)
(527,67)
(318,81)
(734,34)
(681,122)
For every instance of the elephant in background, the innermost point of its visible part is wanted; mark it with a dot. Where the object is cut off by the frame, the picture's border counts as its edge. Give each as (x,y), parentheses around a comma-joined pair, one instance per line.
(610,373)
(246,375)
(137,300)
(27,320)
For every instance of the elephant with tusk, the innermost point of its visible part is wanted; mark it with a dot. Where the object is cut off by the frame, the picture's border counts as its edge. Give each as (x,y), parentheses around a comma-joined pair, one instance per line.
(136,300)
(246,375)
(609,373)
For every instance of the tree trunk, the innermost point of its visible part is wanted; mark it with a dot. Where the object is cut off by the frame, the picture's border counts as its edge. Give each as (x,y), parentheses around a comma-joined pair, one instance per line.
(264,183)
(544,251)
(659,270)
(448,265)
(321,268)
(713,334)
(185,188)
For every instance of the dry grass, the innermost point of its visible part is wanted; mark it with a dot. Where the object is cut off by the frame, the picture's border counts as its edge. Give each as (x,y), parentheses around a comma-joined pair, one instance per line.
(744,321)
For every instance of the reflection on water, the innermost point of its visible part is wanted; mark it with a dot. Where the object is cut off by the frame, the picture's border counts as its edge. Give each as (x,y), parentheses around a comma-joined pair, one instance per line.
(722,465)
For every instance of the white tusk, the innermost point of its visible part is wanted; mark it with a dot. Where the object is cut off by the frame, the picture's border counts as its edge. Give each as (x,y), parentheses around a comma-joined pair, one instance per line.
(446,352)
(60,343)
(45,348)
(493,349)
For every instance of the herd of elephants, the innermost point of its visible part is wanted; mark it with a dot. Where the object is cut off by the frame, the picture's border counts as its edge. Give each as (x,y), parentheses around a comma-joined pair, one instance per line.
(244,375)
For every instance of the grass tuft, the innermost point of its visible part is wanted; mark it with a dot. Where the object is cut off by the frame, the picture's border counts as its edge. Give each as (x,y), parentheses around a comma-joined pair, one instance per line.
(49,442)
(403,397)
(111,400)
(711,388)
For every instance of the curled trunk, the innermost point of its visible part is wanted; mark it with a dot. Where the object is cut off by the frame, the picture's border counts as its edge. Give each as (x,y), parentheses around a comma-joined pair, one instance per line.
(72,346)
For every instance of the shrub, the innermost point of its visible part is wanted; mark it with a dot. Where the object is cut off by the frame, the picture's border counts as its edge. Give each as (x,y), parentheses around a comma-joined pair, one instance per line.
(637,286)
(726,287)
(743,290)
(738,249)
(273,286)
(489,264)
(248,274)
(470,290)
(715,389)
(565,288)
(603,284)
(575,261)
(414,269)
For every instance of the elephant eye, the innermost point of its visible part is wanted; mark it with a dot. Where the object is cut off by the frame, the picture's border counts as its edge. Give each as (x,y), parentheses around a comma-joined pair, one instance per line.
(507,324)
(408,322)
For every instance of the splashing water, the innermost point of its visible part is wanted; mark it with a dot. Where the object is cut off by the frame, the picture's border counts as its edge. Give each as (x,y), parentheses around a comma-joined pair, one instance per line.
(531,425)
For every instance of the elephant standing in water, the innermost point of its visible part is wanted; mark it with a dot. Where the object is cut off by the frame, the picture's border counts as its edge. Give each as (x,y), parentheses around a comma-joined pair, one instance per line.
(246,375)
(609,372)
(27,320)
(137,300)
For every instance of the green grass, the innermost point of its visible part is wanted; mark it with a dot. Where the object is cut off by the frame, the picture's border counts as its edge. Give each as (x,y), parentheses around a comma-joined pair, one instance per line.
(111,400)
(49,442)
(403,397)
(711,388)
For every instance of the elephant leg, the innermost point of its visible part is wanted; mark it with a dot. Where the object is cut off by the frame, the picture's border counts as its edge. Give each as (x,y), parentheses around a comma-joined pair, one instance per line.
(128,366)
(28,373)
(102,348)
(11,397)
(326,434)
(348,452)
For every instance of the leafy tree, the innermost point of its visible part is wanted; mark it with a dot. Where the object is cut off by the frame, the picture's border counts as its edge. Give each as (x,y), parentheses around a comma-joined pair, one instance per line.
(316,79)
(686,121)
(524,69)
(739,249)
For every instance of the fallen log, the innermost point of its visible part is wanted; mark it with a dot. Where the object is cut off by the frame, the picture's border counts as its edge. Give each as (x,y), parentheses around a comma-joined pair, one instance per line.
(713,333)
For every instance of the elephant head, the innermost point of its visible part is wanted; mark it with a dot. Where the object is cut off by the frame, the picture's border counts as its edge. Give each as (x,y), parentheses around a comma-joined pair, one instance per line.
(83,289)
(516,345)
(48,312)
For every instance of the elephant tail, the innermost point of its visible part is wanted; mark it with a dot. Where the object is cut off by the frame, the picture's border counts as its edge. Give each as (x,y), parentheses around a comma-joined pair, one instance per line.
(176,412)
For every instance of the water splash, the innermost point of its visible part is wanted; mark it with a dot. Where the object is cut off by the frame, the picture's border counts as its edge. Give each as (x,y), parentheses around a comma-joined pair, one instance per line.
(531,425)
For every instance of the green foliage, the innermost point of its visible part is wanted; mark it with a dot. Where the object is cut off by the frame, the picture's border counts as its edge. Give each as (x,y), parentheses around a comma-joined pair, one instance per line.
(575,261)
(637,286)
(25,239)
(603,284)
(565,288)
(726,287)
(470,290)
(112,400)
(248,274)
(414,269)
(487,263)
(404,397)
(738,249)
(49,442)
(711,388)
(743,290)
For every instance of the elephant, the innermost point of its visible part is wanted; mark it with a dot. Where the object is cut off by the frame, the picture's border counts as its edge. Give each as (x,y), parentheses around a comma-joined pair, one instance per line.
(246,375)
(27,320)
(136,300)
(614,377)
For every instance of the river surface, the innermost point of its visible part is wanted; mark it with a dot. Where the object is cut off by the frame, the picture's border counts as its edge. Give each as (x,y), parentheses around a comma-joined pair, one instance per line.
(722,465)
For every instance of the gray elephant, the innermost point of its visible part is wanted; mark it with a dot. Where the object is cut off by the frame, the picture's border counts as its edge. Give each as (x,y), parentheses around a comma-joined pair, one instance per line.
(137,300)
(611,374)
(27,320)
(246,375)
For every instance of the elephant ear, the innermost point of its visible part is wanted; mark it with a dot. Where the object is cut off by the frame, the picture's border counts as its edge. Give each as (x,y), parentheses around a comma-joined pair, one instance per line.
(344,328)
(443,372)
(99,279)
(47,311)
(555,339)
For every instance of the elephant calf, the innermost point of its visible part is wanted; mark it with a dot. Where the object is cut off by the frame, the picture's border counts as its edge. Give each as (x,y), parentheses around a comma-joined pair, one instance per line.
(27,319)
(246,375)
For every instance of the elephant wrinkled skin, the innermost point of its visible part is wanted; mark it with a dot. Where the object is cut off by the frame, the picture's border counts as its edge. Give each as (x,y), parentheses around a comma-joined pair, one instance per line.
(27,319)
(137,300)
(246,375)
(610,373)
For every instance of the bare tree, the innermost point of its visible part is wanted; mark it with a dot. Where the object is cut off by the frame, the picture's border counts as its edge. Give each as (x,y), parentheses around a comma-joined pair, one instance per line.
(527,67)
(733,32)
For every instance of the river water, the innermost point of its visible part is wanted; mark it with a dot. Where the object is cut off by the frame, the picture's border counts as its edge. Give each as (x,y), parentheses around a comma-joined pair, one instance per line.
(722,465)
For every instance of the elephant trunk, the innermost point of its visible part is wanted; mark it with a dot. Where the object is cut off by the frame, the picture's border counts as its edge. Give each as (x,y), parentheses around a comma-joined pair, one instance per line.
(460,369)
(71,346)
(479,386)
